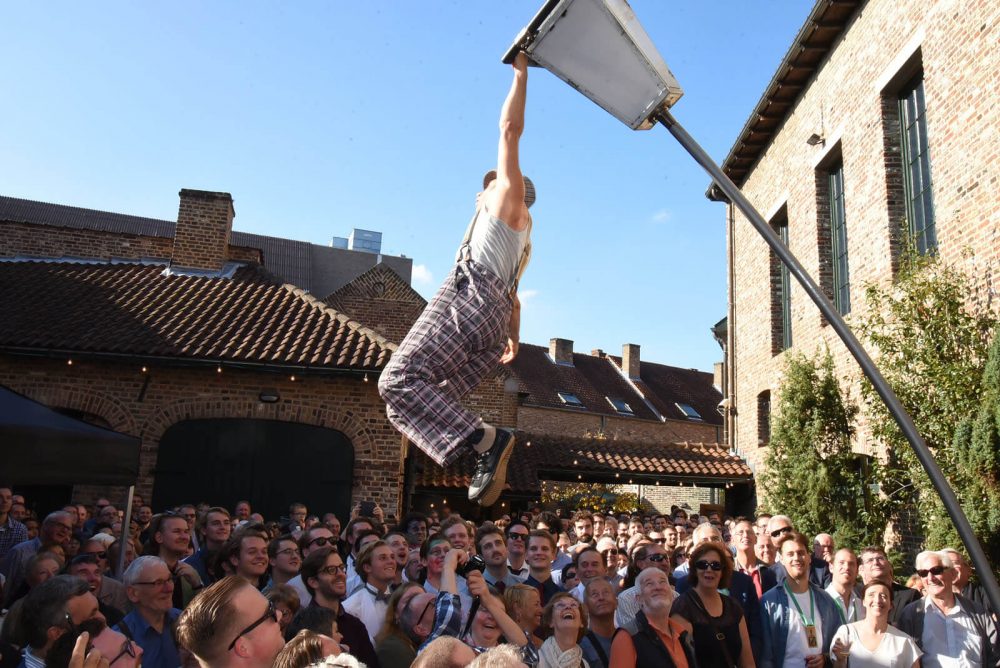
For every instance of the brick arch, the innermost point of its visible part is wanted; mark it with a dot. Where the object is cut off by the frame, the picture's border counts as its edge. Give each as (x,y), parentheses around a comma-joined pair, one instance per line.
(87,400)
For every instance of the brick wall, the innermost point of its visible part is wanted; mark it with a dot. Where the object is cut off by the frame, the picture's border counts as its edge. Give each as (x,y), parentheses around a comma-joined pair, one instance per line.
(204,224)
(115,392)
(851,101)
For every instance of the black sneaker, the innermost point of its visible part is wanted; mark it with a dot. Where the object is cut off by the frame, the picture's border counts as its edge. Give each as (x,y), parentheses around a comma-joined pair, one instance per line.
(490,476)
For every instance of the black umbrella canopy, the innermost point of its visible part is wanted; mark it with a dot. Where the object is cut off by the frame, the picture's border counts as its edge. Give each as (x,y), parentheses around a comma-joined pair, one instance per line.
(39,446)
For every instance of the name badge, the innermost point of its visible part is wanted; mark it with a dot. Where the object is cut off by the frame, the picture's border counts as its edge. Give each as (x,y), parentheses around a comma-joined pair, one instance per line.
(811,640)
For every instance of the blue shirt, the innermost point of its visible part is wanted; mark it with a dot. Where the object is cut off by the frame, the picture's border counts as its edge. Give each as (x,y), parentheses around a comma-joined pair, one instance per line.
(158,649)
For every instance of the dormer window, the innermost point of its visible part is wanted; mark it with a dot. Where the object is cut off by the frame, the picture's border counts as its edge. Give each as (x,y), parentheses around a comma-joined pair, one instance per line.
(689,412)
(620,405)
(570,399)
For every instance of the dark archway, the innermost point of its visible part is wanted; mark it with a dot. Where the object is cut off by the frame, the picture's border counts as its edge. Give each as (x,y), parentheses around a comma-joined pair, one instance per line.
(269,462)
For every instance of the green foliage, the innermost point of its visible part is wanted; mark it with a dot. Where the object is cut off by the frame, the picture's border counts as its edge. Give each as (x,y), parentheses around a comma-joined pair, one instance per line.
(811,474)
(932,345)
(587,496)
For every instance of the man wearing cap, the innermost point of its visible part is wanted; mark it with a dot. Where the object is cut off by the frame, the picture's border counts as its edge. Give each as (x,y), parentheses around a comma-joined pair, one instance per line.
(471,323)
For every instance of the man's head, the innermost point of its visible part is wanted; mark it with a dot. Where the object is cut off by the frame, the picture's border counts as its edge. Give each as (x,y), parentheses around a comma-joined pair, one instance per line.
(108,515)
(793,549)
(246,553)
(589,564)
(189,513)
(400,546)
(6,500)
(53,607)
(445,652)
(172,536)
(149,585)
(706,533)
(376,564)
(875,565)
(491,546)
(844,567)
(583,524)
(417,524)
(242,511)
(284,556)
(354,529)
(41,566)
(414,609)
(963,569)
(144,515)
(823,547)
(541,550)
(938,573)
(87,568)
(777,527)
(297,513)
(517,539)
(332,522)
(599,597)
(651,555)
(57,528)
(457,533)
(314,539)
(324,574)
(231,624)
(655,593)
(98,506)
(216,525)
(550,522)
(764,549)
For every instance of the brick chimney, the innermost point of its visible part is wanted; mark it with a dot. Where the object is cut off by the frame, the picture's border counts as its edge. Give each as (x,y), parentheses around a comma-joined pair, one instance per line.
(630,360)
(204,224)
(561,351)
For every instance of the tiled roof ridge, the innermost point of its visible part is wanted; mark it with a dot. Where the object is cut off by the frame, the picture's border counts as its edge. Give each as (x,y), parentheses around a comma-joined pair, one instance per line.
(634,383)
(352,324)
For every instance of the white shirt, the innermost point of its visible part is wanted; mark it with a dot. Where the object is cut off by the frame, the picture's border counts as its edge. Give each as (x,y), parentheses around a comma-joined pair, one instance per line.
(682,570)
(628,606)
(896,650)
(363,605)
(796,645)
(950,640)
(853,611)
(304,596)
(354,582)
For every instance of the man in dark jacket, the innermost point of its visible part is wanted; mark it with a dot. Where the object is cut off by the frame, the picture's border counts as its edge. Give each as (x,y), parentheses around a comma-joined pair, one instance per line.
(875,566)
(652,638)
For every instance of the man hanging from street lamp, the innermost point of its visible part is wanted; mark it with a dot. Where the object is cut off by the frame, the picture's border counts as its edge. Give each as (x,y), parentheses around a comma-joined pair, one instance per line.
(472,322)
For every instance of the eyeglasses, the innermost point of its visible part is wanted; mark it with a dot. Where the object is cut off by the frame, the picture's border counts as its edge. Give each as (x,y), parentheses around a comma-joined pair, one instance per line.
(97,555)
(270,613)
(289,550)
(611,551)
(656,558)
(933,570)
(515,535)
(778,532)
(333,570)
(159,583)
(875,558)
(64,527)
(570,575)
(127,648)
(704,565)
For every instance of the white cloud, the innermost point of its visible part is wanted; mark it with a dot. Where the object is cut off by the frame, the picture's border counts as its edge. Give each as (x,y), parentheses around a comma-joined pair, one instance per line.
(661,216)
(526,295)
(422,275)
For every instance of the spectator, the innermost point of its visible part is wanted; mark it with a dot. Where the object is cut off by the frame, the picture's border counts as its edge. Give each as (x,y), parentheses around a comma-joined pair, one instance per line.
(491,546)
(567,618)
(12,531)
(142,517)
(844,568)
(246,555)
(601,604)
(823,548)
(112,598)
(114,552)
(541,549)
(285,560)
(914,582)
(433,553)
(89,525)
(215,528)
(445,652)
(150,588)
(715,622)
(297,513)
(416,523)
(873,642)
(169,540)
(875,565)
(456,532)
(746,561)
(569,576)
(652,638)
(50,610)
(286,602)
(310,541)
(317,619)
(376,566)
(590,565)
(56,530)
(307,649)
(324,574)
(799,618)
(190,515)
(400,546)
(113,646)
(41,566)
(524,605)
(963,580)
(948,627)
(230,624)
(355,528)
(764,549)
(408,621)
(517,549)
(819,570)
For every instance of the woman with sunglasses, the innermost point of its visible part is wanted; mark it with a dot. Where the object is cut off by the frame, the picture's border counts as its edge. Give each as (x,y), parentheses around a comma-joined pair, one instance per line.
(715,621)
(872,642)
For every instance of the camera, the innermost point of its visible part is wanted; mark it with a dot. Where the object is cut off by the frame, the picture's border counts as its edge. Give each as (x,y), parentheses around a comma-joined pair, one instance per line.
(475,563)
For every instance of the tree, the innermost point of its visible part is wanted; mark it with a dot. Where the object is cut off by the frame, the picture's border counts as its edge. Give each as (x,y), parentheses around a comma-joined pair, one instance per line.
(811,473)
(590,496)
(932,342)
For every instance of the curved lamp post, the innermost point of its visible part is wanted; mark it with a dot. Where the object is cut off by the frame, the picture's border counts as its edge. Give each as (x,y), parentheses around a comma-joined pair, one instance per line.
(599,48)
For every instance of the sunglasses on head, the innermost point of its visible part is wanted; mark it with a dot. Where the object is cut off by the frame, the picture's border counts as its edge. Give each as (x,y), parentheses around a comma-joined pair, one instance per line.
(778,532)
(933,570)
(704,565)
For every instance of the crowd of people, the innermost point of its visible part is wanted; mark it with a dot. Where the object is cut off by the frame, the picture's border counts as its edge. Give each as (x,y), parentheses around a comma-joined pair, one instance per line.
(203,585)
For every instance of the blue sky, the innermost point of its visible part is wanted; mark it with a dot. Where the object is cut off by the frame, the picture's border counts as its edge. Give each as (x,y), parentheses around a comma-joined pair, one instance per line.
(320,117)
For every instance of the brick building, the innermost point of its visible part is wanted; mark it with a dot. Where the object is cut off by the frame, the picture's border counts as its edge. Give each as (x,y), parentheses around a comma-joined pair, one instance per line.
(878,131)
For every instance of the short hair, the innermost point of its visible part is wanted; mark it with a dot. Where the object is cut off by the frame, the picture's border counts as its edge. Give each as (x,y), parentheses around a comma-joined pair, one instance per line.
(430,542)
(284,594)
(582,515)
(451,521)
(437,654)
(871,549)
(411,517)
(312,564)
(516,595)
(45,607)
(725,575)
(585,550)
(487,530)
(541,533)
(516,522)
(550,607)
(396,618)
(551,520)
(211,619)
(306,536)
(365,557)
(796,537)
(361,519)
(945,558)
(877,583)
(596,582)
(202,522)
(232,547)
(134,571)
(296,506)
(275,544)
(500,656)
(356,546)
(314,618)
(304,649)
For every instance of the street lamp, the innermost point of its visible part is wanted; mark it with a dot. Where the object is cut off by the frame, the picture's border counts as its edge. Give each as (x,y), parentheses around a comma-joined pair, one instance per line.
(599,48)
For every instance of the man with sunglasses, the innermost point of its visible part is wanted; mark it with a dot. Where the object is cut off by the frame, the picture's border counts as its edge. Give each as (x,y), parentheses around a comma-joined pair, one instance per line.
(325,575)
(150,588)
(231,625)
(648,555)
(951,629)
(517,549)
(875,566)
(311,540)
(51,609)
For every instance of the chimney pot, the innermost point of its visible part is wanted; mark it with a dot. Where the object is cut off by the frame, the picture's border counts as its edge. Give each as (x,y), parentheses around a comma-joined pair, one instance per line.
(630,360)
(204,225)
(561,351)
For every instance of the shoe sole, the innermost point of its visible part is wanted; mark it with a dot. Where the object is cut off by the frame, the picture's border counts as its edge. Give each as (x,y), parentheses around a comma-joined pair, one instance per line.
(496,487)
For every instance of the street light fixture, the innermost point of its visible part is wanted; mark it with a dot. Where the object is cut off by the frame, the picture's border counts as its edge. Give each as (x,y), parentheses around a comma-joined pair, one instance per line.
(599,48)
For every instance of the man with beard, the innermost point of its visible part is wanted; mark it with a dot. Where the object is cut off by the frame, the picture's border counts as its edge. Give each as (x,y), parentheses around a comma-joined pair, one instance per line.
(491,546)
(150,588)
(599,597)
(799,618)
(325,576)
(376,566)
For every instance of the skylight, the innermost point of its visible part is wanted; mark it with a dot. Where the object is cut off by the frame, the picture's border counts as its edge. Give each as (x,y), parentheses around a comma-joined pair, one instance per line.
(570,399)
(689,412)
(620,405)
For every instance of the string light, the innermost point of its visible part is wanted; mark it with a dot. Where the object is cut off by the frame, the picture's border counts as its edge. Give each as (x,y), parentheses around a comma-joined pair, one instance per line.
(292,379)
(366,377)
(69,362)
(218,369)
(144,369)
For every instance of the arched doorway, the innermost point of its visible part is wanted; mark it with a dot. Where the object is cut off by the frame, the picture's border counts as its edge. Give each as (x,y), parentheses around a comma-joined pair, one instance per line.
(269,462)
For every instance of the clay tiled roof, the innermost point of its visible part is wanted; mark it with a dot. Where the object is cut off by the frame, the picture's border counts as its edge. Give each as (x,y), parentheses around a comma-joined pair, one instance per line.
(137,310)
(666,386)
(563,458)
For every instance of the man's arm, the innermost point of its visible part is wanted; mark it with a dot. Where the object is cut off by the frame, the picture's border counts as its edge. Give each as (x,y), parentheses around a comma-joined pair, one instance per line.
(513,331)
(510,629)
(505,196)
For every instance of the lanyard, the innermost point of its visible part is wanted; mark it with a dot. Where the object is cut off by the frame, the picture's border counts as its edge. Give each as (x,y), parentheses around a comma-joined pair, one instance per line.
(812,604)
